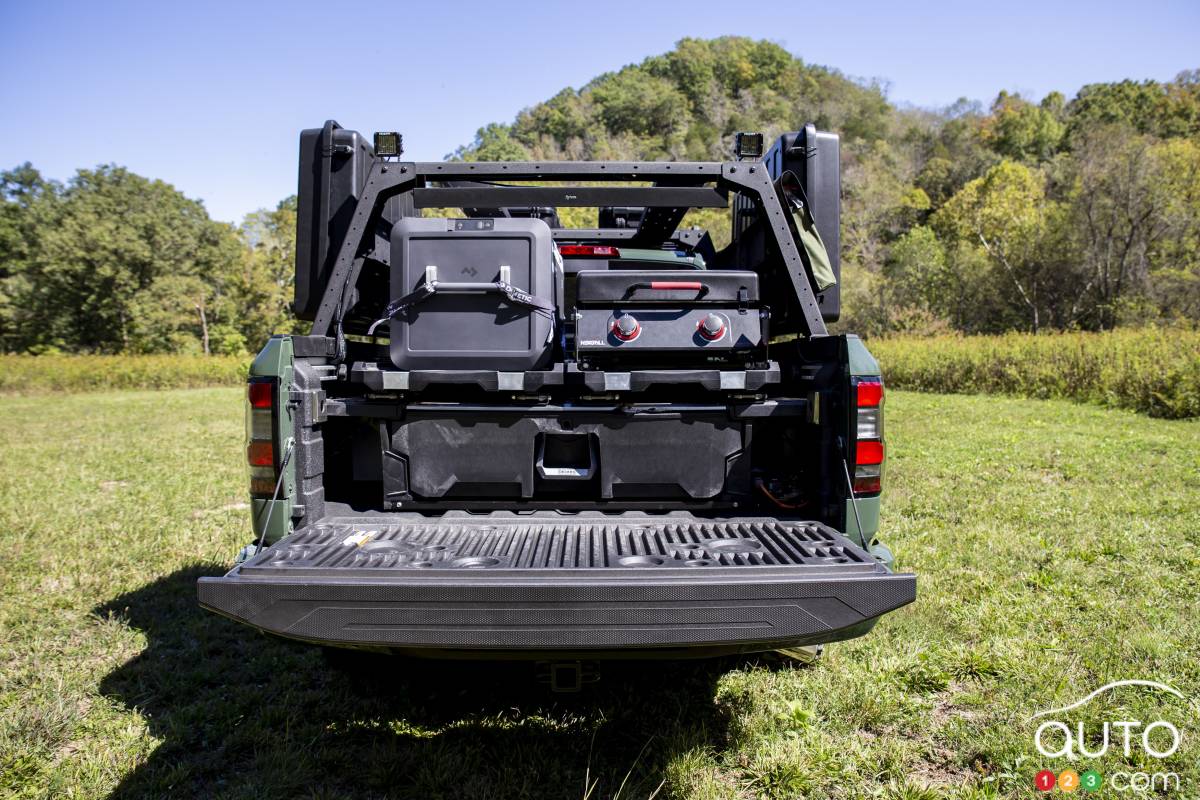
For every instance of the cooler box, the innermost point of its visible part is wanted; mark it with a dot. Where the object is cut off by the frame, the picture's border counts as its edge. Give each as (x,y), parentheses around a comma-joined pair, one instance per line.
(468,322)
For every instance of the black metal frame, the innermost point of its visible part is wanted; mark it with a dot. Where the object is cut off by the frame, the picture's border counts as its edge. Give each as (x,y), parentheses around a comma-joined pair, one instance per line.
(677,185)
(481,196)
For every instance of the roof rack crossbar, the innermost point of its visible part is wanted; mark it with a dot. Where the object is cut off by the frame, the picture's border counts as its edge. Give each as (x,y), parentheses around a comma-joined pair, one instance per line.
(560,196)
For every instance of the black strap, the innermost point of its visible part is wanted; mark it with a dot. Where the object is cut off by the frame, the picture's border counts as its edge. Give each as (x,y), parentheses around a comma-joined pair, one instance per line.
(393,308)
(511,293)
(522,298)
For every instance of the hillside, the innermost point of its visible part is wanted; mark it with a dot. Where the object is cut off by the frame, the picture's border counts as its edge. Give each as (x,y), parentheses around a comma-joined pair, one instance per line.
(686,104)
(1080,213)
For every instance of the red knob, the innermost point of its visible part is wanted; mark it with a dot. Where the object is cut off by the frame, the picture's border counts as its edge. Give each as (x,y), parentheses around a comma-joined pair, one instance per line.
(626,328)
(711,327)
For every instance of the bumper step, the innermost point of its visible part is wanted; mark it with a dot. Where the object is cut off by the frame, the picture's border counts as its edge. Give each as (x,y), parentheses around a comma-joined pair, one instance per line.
(552,583)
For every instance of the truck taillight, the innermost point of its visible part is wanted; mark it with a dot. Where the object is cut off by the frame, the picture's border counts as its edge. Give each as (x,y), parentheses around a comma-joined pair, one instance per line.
(868,444)
(261,393)
(262,396)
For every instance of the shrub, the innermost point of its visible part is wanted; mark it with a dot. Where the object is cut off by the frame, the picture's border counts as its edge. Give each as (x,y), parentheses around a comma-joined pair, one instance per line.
(1154,371)
(63,373)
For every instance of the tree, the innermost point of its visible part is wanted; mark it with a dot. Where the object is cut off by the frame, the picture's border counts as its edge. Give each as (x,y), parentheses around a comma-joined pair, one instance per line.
(1006,212)
(878,204)
(687,104)
(634,101)
(1174,258)
(1162,109)
(1133,198)
(949,151)
(1020,130)
(25,199)
(108,236)
(173,313)
(493,142)
(265,281)
(22,189)
(916,270)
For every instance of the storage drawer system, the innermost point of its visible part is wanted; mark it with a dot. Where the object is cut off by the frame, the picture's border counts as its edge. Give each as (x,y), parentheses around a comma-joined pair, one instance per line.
(682,456)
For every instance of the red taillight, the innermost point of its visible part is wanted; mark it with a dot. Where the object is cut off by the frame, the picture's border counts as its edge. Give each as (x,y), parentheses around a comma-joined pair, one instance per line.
(868,446)
(870,393)
(869,453)
(261,394)
(589,251)
(261,454)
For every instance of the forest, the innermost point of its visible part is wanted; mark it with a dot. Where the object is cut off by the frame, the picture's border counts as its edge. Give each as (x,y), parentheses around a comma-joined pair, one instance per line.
(1024,214)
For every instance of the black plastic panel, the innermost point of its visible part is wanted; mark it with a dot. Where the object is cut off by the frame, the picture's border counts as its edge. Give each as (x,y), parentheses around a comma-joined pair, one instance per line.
(594,542)
(677,457)
(815,156)
(561,584)
(334,163)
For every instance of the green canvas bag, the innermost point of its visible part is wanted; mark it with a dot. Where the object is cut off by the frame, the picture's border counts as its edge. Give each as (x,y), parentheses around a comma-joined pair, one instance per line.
(806,230)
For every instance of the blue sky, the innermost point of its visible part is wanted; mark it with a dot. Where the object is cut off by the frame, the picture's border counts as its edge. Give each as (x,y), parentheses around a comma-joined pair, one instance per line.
(210,96)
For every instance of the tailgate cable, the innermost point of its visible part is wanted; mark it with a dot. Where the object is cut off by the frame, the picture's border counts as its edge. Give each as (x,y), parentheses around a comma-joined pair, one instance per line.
(287,454)
(862,537)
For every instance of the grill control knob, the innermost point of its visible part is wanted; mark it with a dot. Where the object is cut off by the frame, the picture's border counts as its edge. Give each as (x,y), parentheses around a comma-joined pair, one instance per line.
(626,328)
(712,327)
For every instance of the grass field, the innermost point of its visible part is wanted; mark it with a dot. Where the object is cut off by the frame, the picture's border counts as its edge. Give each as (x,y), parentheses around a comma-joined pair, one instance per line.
(55,374)
(1057,548)
(1152,370)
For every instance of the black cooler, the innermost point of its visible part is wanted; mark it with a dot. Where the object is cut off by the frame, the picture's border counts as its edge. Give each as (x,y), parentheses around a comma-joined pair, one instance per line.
(473,294)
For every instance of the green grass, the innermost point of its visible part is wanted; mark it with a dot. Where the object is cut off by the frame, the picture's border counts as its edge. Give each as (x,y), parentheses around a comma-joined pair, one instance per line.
(1056,546)
(1155,371)
(59,373)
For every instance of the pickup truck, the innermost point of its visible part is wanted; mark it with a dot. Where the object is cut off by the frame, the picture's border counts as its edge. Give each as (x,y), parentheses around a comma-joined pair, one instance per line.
(507,437)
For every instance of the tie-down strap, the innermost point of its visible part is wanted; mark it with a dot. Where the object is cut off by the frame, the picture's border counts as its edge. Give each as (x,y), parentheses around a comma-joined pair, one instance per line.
(433,286)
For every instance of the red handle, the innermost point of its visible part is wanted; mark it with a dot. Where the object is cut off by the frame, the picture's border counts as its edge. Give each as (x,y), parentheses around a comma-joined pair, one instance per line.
(693,285)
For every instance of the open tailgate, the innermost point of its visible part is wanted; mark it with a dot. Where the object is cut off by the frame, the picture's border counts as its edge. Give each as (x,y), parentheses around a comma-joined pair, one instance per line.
(561,583)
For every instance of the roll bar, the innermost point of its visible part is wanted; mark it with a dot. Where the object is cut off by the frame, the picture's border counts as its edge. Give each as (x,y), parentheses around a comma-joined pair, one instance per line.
(677,185)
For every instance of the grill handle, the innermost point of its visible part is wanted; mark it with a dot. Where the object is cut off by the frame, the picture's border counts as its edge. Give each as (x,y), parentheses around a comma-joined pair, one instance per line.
(661,286)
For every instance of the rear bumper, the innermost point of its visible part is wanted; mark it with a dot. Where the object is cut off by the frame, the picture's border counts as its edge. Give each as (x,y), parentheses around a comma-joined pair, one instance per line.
(306,590)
